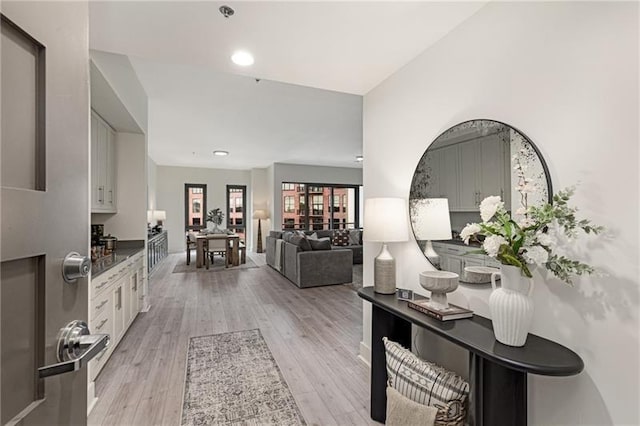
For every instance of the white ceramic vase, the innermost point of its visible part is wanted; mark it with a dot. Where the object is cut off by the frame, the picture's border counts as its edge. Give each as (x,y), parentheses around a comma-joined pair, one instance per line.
(511,306)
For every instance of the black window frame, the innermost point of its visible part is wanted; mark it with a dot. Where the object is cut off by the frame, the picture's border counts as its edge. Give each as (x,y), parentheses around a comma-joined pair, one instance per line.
(187,206)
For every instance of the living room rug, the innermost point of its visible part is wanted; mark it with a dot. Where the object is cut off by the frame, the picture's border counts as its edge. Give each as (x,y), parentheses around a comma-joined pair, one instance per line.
(216,266)
(233,379)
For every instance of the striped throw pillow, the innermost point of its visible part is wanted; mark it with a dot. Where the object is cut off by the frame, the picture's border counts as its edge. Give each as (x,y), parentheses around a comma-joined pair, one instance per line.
(427,384)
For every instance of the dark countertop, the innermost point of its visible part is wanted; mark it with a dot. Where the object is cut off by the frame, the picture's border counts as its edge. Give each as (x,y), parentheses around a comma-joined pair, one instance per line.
(537,356)
(459,242)
(105,263)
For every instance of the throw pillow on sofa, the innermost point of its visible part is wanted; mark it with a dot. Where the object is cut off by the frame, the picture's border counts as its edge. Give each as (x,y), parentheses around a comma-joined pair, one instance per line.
(321,244)
(427,383)
(341,237)
(301,242)
(355,237)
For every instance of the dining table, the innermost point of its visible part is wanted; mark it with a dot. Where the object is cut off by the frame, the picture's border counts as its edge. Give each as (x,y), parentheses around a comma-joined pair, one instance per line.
(232,257)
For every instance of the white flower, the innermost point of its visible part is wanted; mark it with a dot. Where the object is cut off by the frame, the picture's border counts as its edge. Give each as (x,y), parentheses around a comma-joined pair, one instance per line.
(492,244)
(527,188)
(521,211)
(535,254)
(545,239)
(526,222)
(468,231)
(489,206)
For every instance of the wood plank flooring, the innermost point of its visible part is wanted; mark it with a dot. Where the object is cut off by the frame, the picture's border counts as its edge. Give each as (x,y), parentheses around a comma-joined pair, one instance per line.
(314,335)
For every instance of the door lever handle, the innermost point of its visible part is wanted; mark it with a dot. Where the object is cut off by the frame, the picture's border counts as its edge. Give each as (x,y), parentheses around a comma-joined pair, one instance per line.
(76,347)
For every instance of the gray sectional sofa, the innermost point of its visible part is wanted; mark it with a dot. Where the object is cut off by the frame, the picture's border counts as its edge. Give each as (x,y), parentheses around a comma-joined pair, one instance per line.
(310,268)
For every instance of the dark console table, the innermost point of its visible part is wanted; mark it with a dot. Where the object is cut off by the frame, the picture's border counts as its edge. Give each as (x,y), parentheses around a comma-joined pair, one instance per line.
(497,373)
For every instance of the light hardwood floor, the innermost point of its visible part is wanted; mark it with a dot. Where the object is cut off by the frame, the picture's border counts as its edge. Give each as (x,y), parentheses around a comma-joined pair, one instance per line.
(314,335)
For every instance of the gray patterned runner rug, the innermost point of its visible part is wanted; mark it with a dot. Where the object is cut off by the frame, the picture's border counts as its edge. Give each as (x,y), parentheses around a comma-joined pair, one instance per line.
(232,379)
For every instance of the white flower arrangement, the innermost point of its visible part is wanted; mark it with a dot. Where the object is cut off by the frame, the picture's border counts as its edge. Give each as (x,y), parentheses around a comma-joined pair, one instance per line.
(531,239)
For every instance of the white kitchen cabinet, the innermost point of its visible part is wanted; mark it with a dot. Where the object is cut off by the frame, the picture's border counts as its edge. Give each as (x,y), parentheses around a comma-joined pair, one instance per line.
(118,309)
(454,257)
(444,170)
(481,167)
(114,304)
(468,155)
(103,166)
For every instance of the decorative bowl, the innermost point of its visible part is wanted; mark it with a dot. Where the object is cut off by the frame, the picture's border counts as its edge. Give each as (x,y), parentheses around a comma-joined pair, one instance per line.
(439,283)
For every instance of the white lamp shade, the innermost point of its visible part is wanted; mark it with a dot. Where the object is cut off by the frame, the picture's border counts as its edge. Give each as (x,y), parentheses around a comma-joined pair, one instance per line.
(430,219)
(160,215)
(385,219)
(260,214)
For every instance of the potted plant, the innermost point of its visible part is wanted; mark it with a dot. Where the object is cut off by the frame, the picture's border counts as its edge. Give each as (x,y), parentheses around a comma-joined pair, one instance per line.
(216,216)
(527,239)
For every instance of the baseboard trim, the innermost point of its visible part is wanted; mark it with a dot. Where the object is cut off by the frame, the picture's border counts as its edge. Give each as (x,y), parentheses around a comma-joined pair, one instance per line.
(365,354)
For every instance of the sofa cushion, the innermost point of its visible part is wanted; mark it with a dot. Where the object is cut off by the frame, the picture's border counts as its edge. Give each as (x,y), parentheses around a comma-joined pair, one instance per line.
(355,237)
(286,236)
(301,242)
(341,237)
(322,244)
(275,234)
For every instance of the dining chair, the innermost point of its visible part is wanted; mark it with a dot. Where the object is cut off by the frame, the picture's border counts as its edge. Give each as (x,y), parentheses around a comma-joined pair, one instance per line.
(216,245)
(191,245)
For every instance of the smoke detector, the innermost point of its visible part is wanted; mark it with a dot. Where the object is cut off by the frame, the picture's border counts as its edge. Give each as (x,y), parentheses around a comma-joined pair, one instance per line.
(226,11)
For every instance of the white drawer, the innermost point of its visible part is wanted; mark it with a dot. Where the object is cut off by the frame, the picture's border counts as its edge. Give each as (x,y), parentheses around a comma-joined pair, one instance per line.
(102,324)
(101,303)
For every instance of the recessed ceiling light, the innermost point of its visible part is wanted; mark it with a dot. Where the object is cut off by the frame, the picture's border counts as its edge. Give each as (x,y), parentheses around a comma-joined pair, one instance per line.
(220,153)
(242,58)
(359,158)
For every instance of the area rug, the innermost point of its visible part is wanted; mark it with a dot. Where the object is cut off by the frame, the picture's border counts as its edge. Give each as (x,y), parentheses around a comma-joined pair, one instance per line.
(216,266)
(232,379)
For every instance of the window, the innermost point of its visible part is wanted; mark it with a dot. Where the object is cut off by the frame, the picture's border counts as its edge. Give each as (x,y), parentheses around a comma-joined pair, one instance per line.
(288,204)
(318,206)
(336,203)
(195,205)
(236,199)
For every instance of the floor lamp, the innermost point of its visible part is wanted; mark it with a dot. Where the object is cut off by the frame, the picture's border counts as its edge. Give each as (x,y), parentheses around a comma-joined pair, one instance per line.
(385,221)
(260,214)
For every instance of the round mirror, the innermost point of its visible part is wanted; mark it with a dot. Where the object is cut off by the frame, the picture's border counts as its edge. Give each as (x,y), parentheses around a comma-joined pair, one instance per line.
(465,164)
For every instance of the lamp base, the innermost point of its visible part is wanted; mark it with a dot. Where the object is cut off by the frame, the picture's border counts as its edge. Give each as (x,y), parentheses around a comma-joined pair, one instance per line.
(431,255)
(384,272)
(259,248)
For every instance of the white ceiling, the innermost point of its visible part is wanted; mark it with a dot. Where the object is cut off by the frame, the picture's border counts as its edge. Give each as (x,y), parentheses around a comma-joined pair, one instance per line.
(194,111)
(200,101)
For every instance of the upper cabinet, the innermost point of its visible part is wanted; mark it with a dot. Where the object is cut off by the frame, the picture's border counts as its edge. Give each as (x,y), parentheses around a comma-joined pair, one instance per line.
(467,172)
(103,166)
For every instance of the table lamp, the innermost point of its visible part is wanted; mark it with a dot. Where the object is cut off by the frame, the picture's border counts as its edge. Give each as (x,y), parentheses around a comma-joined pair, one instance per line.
(260,214)
(431,222)
(385,220)
(159,216)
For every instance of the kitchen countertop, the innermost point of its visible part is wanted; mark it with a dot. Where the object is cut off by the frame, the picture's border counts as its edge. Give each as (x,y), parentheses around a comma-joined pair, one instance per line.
(459,242)
(105,263)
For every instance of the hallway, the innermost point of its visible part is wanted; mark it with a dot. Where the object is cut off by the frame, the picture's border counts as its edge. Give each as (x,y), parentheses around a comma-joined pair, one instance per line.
(314,335)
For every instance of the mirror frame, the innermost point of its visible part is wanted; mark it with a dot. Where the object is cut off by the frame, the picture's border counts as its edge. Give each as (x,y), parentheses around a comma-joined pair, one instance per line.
(545,168)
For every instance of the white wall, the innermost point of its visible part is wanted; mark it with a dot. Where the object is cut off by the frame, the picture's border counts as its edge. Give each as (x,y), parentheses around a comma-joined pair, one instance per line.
(567,75)
(152,176)
(130,223)
(309,174)
(170,195)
